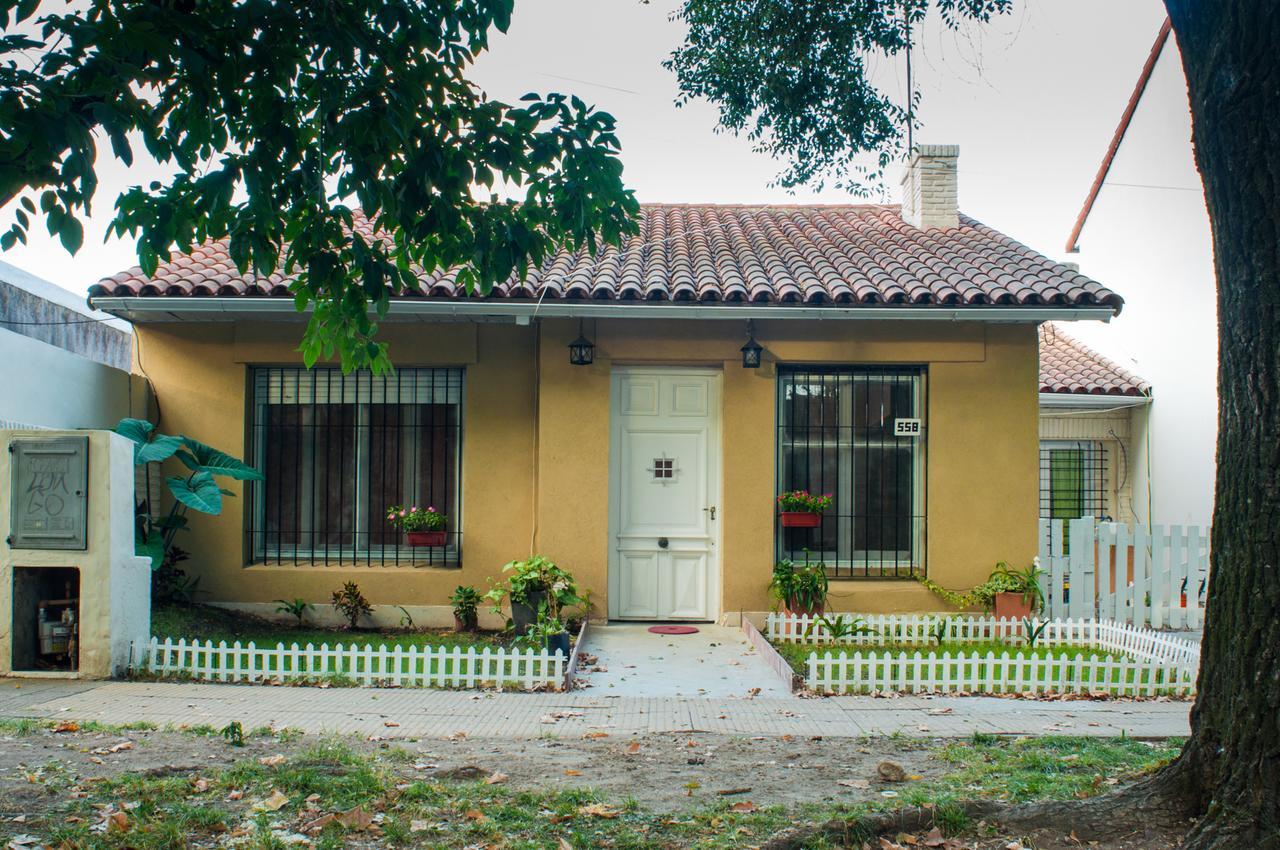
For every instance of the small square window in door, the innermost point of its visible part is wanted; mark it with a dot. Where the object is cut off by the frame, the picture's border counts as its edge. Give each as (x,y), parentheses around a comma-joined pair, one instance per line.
(663,469)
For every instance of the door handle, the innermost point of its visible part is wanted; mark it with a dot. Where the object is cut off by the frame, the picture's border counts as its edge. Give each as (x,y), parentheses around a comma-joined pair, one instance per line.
(663,542)
(711,510)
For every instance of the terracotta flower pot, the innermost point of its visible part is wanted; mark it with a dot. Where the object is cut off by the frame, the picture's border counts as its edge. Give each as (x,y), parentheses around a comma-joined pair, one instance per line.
(425,538)
(816,611)
(801,519)
(1012,606)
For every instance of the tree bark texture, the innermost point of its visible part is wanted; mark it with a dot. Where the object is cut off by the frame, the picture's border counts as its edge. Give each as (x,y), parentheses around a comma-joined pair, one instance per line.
(1229,773)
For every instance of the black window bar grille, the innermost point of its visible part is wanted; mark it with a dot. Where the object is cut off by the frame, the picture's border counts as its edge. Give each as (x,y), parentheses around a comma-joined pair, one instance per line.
(338,450)
(1073,479)
(836,434)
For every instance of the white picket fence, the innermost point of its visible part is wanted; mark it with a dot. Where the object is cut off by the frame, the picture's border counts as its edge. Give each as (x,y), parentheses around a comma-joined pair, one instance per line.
(1130,661)
(1120,572)
(413,666)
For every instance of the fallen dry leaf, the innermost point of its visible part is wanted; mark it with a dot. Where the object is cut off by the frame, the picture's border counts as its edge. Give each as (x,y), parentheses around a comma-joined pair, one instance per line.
(599,810)
(633,748)
(356,819)
(496,779)
(235,795)
(200,786)
(594,735)
(474,814)
(274,802)
(568,771)
(744,807)
(855,783)
(390,724)
(117,822)
(319,823)
(564,844)
(419,826)
(272,761)
(67,726)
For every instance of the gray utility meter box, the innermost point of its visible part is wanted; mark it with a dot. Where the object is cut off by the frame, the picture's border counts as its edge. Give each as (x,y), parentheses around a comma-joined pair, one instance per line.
(49,499)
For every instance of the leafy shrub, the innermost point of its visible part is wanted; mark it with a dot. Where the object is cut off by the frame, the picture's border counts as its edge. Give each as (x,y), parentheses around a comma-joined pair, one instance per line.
(350,602)
(297,609)
(466,602)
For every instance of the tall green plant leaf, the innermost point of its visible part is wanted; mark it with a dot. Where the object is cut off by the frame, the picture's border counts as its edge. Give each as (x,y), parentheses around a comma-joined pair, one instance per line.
(200,492)
(161,448)
(152,547)
(201,458)
(138,430)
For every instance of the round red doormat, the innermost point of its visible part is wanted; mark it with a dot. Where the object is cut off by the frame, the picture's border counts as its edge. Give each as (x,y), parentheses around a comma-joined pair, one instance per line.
(673,630)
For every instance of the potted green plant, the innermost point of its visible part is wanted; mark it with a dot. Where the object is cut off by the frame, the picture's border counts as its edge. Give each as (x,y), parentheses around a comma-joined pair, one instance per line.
(465,601)
(530,585)
(1011,593)
(548,631)
(800,589)
(802,509)
(420,527)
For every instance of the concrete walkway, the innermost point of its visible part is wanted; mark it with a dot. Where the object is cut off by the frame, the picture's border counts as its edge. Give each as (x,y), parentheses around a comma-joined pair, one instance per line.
(440,714)
(717,662)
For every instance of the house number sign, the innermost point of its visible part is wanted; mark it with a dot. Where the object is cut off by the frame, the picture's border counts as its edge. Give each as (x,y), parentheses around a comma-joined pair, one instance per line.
(49,493)
(907,428)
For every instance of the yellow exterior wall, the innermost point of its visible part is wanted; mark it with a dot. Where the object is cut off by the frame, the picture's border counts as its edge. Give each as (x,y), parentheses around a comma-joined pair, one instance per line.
(981,470)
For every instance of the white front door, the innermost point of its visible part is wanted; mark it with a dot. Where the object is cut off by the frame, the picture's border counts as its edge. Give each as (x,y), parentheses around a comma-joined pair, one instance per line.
(664,487)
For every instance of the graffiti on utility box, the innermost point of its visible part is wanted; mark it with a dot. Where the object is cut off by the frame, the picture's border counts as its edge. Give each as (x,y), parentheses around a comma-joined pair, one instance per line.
(49,493)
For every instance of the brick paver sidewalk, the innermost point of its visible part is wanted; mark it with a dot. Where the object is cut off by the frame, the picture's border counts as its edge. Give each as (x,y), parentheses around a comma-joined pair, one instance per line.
(438,714)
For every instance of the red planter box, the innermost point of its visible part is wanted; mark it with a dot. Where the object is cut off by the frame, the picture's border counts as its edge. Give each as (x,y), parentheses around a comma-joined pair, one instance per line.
(425,538)
(800,519)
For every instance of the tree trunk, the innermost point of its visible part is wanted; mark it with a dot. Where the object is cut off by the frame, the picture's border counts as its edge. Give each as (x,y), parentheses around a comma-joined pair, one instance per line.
(1229,773)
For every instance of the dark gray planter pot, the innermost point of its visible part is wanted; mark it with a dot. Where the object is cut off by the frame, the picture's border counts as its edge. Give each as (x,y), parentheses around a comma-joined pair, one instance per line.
(525,614)
(560,642)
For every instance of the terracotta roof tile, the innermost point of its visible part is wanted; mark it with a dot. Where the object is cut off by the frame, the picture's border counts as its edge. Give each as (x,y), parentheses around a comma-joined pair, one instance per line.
(1069,366)
(849,254)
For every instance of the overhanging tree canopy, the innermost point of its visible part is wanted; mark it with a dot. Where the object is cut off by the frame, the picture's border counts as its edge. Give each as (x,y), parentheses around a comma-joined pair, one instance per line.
(276,117)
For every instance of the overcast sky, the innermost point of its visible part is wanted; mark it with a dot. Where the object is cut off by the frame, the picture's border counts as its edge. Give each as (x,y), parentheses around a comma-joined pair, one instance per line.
(1031,99)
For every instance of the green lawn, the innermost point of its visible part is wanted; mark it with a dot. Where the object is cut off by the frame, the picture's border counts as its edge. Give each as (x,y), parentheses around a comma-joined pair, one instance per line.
(208,622)
(797,654)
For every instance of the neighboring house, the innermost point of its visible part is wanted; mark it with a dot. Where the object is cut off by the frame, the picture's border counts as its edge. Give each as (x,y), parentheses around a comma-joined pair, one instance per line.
(1144,221)
(650,472)
(62,365)
(1093,433)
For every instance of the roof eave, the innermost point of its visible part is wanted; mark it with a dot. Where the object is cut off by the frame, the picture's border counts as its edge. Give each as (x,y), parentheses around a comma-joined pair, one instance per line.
(139,309)
(1093,401)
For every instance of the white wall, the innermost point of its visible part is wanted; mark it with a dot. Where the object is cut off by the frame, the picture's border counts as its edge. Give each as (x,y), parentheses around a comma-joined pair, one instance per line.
(1153,246)
(47,387)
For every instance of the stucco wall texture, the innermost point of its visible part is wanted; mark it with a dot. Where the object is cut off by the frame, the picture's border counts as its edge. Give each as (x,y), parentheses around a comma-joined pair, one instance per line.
(535,447)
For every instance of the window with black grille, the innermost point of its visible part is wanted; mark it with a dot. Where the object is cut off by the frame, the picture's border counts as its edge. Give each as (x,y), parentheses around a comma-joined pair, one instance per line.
(338,450)
(1073,479)
(849,431)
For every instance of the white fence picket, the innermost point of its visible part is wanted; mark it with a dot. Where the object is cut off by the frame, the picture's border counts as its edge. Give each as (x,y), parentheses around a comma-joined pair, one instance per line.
(526,669)
(1137,661)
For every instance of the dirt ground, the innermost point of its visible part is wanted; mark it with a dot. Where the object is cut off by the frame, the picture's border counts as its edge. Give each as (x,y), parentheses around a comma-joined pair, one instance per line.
(664,773)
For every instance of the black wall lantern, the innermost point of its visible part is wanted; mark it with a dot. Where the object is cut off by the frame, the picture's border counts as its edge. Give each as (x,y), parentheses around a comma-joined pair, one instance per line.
(582,352)
(752,350)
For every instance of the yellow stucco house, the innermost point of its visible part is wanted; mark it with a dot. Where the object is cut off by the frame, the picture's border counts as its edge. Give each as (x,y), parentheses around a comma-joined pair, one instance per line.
(898,372)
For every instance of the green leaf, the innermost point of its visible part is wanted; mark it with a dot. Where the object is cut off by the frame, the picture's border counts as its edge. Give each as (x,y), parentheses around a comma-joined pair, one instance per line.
(208,459)
(152,547)
(159,449)
(138,430)
(199,493)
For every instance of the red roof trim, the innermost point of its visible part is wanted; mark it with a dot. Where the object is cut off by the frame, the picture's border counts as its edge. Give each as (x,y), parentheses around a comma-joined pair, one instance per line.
(1073,241)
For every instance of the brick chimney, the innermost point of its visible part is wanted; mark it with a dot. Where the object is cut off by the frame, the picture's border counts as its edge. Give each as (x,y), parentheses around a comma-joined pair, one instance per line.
(929,187)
